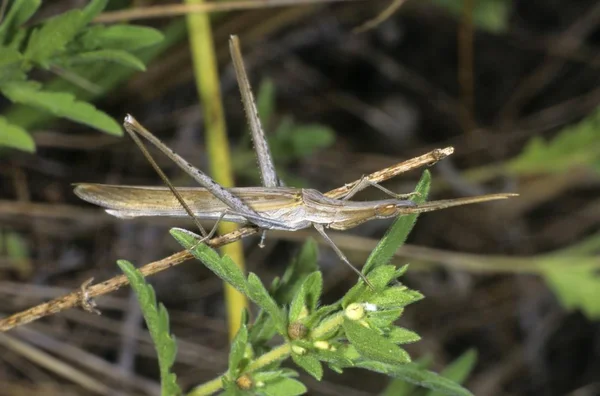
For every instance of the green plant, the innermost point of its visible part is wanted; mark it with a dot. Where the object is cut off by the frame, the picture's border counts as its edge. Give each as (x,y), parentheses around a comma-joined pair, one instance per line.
(289,140)
(490,15)
(65,44)
(356,331)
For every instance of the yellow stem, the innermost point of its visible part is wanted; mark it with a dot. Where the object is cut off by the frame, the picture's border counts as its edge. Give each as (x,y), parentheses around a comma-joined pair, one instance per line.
(207,81)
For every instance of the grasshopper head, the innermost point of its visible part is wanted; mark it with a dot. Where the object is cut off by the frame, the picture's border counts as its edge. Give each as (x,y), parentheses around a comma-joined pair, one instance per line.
(391,208)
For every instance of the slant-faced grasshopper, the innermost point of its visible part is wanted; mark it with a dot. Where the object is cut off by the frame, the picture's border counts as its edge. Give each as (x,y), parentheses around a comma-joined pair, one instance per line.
(272,207)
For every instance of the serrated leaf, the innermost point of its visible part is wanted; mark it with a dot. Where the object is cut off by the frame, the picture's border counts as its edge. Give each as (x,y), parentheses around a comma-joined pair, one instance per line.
(283,387)
(120,37)
(52,38)
(356,293)
(116,56)
(459,369)
(413,374)
(310,364)
(307,298)
(400,335)
(18,13)
(223,267)
(384,317)
(15,136)
(396,235)
(261,297)
(379,278)
(576,145)
(61,104)
(371,345)
(575,288)
(30,118)
(238,350)
(396,297)
(157,320)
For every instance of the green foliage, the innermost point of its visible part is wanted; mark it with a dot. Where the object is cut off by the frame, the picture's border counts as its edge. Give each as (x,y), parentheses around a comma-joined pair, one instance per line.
(17,251)
(60,104)
(577,145)
(398,232)
(357,331)
(459,370)
(490,15)
(576,288)
(63,42)
(15,136)
(414,374)
(157,320)
(289,141)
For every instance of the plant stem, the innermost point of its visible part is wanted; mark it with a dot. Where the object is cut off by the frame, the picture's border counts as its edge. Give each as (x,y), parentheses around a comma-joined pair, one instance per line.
(328,325)
(207,80)
(278,353)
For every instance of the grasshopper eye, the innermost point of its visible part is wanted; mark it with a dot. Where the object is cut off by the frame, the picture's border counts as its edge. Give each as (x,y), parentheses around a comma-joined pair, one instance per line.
(385,211)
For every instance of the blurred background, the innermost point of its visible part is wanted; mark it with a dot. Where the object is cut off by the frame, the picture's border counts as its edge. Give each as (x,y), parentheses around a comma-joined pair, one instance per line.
(514,86)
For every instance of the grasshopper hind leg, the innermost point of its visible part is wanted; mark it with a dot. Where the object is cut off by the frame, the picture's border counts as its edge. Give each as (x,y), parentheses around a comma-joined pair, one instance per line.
(341,255)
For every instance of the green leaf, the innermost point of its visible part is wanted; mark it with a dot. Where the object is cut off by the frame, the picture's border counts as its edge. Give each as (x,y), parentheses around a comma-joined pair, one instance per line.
(459,369)
(238,350)
(384,317)
(336,357)
(413,374)
(395,297)
(15,136)
(265,101)
(306,139)
(284,387)
(17,250)
(284,290)
(273,375)
(379,278)
(576,288)
(60,104)
(490,15)
(400,335)
(577,145)
(20,12)
(223,267)
(52,38)
(371,345)
(30,118)
(307,298)
(398,387)
(262,298)
(396,235)
(92,10)
(296,272)
(310,364)
(116,56)
(157,320)
(120,37)
(9,56)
